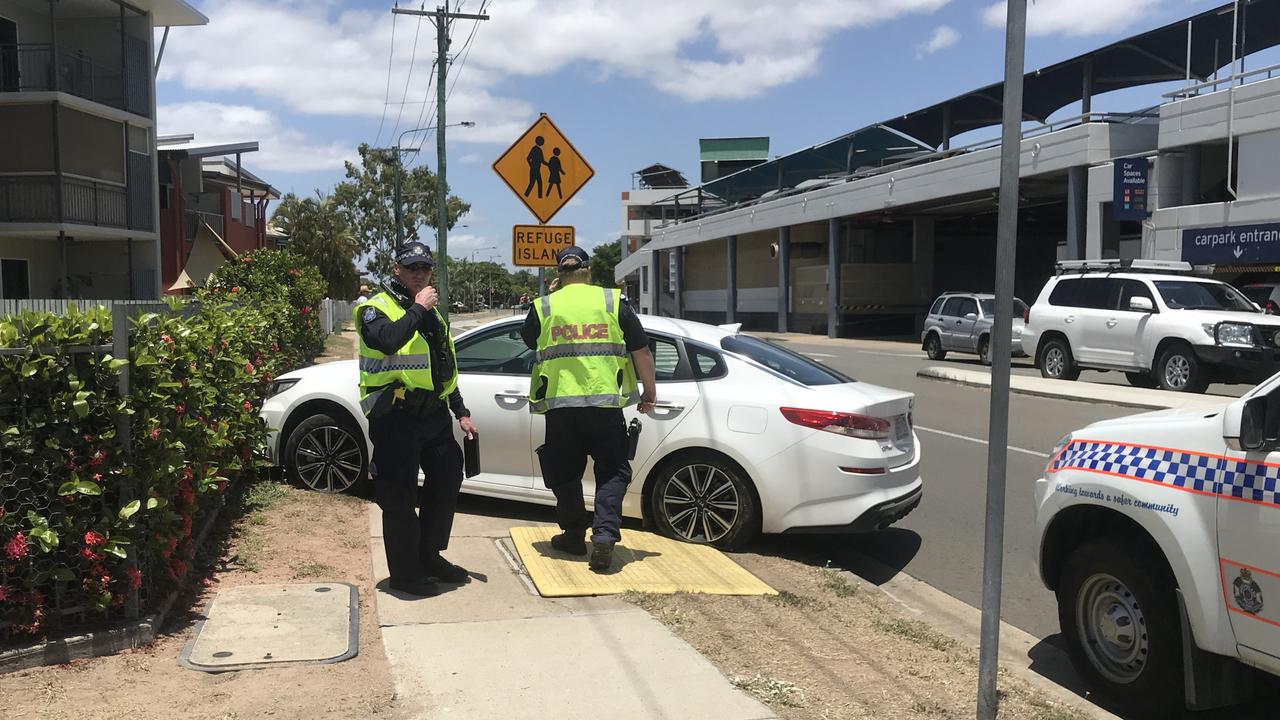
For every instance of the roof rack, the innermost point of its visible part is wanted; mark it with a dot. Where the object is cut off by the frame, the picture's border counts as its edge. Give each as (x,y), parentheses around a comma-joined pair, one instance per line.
(1118,265)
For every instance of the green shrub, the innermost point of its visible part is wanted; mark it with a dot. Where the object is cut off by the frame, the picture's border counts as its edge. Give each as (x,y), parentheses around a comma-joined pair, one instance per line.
(74,504)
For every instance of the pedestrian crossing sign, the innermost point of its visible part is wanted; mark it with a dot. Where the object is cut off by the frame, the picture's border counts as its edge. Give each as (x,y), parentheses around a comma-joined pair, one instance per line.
(543,169)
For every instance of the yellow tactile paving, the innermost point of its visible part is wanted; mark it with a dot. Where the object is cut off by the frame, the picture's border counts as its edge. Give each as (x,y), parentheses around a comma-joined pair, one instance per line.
(643,562)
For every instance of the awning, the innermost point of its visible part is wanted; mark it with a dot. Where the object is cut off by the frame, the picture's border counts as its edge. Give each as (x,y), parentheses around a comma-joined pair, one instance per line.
(1158,55)
(208,253)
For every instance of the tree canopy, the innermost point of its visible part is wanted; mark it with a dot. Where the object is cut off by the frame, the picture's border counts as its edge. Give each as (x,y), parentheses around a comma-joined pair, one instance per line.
(367,200)
(320,235)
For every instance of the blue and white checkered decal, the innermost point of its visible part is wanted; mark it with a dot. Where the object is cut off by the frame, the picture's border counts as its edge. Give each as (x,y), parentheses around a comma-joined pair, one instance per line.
(1180,470)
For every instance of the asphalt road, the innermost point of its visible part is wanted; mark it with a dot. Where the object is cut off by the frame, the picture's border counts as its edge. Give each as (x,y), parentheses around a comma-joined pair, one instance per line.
(941,541)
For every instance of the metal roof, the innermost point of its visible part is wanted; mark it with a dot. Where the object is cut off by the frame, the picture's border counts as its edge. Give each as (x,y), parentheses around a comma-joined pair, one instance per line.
(1158,55)
(658,176)
(869,147)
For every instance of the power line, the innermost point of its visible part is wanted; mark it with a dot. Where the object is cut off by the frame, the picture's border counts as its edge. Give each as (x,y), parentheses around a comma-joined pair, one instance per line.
(413,56)
(464,52)
(386,98)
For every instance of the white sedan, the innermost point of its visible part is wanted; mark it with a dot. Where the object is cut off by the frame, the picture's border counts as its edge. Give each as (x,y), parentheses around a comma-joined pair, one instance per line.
(747,437)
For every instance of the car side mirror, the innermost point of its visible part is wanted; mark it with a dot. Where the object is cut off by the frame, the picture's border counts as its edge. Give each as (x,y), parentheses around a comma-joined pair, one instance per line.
(971,316)
(1141,304)
(1245,425)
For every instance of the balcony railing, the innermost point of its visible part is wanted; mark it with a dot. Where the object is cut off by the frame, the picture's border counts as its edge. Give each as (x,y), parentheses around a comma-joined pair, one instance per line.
(34,199)
(194,217)
(34,67)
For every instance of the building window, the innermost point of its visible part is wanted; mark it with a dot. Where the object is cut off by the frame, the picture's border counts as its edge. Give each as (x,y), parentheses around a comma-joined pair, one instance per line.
(15,279)
(644,280)
(237,207)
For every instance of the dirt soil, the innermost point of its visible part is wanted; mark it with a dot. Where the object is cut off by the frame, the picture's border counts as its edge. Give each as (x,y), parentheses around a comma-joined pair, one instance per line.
(286,535)
(830,647)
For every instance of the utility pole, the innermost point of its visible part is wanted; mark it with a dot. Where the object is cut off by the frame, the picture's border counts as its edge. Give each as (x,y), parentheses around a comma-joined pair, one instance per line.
(440,17)
(998,433)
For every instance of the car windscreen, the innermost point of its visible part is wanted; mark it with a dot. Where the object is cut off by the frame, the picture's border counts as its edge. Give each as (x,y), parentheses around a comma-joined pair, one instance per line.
(989,307)
(792,365)
(1191,295)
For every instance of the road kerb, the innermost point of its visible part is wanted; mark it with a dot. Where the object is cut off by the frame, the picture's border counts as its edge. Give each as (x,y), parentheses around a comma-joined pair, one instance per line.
(1079,391)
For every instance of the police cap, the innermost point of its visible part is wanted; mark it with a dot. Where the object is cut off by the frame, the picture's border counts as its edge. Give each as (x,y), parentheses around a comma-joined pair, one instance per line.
(414,253)
(572,258)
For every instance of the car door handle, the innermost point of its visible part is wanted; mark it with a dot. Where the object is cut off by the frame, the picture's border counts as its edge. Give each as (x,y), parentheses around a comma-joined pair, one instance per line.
(1069,318)
(512,399)
(1112,322)
(666,408)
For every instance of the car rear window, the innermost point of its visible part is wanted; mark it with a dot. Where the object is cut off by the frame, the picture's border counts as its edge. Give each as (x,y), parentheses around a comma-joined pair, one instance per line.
(792,365)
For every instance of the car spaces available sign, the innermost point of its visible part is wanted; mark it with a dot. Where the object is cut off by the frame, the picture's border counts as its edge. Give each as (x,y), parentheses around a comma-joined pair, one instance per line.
(1232,244)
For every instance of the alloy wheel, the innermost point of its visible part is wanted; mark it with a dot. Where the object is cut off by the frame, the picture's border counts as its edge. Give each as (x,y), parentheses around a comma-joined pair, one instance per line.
(1177,371)
(1112,628)
(1055,362)
(328,459)
(701,503)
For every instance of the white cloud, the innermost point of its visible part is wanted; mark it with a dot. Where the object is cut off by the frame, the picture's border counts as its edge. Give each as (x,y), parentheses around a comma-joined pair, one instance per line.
(1074,17)
(279,147)
(471,159)
(944,36)
(322,60)
(577,201)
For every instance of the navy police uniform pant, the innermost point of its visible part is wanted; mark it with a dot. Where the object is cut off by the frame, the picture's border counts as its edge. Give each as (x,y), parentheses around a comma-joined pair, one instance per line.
(572,435)
(403,443)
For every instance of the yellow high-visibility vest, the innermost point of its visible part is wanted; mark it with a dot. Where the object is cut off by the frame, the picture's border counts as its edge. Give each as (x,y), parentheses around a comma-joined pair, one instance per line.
(582,358)
(409,367)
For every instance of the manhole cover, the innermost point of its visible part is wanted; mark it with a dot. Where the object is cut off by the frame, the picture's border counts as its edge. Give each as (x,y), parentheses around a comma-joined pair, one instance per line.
(263,625)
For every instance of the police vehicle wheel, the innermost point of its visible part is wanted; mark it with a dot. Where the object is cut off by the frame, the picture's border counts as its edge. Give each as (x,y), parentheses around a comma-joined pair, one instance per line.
(933,347)
(1141,380)
(1120,621)
(327,455)
(701,498)
(984,350)
(1057,362)
(1180,371)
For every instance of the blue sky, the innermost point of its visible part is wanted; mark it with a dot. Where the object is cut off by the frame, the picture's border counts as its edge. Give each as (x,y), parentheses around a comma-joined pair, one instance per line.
(630,82)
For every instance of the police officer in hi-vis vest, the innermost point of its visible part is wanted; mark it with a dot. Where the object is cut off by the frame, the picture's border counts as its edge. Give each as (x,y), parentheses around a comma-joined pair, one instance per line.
(408,387)
(590,347)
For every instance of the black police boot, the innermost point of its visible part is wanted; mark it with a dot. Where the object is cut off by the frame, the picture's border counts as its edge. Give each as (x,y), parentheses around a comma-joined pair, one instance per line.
(570,541)
(421,587)
(601,555)
(443,570)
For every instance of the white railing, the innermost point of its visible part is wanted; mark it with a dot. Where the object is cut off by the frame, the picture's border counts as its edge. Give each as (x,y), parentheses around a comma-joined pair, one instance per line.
(1212,85)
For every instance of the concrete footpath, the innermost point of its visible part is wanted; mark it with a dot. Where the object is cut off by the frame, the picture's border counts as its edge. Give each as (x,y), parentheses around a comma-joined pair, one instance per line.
(1080,391)
(493,648)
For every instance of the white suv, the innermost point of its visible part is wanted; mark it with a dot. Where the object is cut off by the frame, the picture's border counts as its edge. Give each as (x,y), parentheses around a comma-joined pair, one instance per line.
(1172,331)
(1159,535)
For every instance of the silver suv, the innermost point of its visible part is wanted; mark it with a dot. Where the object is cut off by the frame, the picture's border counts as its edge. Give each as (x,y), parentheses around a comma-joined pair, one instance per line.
(961,322)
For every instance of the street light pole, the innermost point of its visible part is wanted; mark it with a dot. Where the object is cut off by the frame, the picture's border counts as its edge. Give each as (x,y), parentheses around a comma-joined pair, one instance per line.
(399,204)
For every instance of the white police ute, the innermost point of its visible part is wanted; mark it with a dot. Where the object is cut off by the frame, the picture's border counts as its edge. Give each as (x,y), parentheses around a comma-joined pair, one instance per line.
(1160,535)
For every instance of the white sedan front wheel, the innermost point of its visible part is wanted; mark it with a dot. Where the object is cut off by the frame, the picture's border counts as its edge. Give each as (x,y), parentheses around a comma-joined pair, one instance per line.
(327,455)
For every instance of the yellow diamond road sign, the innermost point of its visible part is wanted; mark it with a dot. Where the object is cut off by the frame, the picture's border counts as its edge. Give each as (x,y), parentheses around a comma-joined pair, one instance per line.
(543,169)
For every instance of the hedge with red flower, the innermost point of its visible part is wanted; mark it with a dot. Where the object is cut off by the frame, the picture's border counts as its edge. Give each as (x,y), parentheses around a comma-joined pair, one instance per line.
(73,505)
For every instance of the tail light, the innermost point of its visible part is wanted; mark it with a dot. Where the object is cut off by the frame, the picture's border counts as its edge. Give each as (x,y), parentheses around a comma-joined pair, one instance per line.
(1272,309)
(841,423)
(1026,315)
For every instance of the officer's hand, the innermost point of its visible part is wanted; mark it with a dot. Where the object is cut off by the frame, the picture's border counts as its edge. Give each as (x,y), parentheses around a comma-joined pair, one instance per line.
(427,297)
(647,400)
(468,427)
